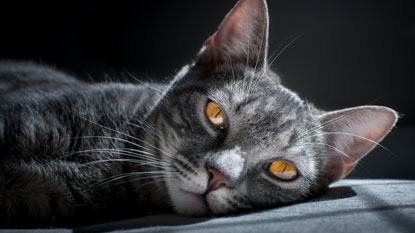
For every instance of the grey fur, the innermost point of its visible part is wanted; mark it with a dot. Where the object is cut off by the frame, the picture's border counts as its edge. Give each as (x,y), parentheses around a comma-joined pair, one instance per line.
(70,150)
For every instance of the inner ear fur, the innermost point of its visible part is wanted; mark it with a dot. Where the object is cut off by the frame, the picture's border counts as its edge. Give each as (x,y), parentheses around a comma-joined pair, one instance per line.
(241,38)
(351,134)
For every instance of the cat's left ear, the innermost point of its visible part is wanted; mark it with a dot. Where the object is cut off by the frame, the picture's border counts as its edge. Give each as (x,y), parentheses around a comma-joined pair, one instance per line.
(241,38)
(351,134)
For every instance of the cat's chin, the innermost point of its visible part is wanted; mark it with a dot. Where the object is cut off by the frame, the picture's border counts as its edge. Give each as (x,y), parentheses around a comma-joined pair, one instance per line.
(189,204)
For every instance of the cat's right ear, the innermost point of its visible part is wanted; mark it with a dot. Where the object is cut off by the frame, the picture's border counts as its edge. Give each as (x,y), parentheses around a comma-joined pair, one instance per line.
(351,134)
(241,38)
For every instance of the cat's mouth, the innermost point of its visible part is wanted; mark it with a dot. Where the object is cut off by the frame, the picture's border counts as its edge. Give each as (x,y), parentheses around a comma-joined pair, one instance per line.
(205,201)
(199,201)
(202,199)
(195,204)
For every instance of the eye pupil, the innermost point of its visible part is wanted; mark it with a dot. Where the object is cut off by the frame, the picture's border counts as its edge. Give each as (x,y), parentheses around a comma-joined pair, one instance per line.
(218,113)
(283,170)
(215,114)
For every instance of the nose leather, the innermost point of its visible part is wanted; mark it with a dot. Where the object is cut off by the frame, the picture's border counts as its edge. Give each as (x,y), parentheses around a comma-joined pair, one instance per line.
(217,179)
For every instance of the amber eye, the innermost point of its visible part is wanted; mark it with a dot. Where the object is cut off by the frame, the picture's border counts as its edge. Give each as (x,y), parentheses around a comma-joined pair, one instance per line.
(283,170)
(215,114)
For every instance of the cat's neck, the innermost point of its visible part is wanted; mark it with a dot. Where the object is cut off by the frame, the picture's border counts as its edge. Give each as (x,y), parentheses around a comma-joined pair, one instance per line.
(166,90)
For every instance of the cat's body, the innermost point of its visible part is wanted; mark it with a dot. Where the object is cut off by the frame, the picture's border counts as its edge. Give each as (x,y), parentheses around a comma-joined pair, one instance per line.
(46,117)
(69,148)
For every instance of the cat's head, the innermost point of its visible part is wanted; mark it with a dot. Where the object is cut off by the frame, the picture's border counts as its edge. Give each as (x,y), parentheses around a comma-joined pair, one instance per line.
(237,139)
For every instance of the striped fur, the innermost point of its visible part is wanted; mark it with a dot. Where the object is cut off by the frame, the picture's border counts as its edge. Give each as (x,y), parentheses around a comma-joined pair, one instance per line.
(73,152)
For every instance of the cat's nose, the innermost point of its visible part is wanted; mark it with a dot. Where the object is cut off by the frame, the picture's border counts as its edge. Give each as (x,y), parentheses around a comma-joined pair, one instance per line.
(217,179)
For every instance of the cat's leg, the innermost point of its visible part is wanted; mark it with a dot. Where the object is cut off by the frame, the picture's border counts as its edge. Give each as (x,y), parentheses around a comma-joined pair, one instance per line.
(34,193)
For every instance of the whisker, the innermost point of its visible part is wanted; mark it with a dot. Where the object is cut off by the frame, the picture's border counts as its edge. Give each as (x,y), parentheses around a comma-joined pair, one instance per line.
(263,39)
(127,135)
(283,49)
(116,139)
(355,135)
(247,62)
(129,180)
(140,154)
(153,131)
(153,164)
(330,146)
(143,83)
(152,182)
(329,122)
(118,151)
(126,175)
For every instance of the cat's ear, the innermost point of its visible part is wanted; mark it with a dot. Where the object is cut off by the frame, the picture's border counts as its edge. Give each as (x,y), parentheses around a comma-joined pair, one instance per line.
(241,38)
(351,134)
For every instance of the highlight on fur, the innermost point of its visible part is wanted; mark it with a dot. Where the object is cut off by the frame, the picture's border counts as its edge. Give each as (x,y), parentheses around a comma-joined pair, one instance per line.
(73,151)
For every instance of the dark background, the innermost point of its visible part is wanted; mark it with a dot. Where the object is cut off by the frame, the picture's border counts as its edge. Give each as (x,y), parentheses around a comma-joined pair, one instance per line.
(350,52)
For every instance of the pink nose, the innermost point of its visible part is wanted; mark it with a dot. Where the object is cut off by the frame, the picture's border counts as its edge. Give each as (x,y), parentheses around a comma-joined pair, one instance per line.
(217,179)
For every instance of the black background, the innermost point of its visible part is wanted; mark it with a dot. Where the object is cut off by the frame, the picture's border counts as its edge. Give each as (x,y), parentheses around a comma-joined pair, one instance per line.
(349,53)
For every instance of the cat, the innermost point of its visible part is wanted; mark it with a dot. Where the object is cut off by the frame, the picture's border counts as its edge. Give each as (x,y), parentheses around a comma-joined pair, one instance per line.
(223,137)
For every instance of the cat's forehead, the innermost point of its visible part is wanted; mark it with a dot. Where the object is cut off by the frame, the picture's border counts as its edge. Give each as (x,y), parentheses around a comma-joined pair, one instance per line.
(262,110)
(256,92)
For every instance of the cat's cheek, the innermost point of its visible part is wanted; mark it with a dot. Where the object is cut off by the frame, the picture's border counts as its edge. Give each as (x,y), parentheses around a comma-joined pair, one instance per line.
(188,204)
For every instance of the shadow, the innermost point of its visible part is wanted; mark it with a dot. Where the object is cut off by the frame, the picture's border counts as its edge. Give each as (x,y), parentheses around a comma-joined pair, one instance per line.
(336,193)
(177,220)
(147,221)
(401,222)
(387,212)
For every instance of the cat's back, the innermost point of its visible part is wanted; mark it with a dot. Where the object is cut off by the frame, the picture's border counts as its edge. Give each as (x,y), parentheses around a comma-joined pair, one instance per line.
(40,104)
(22,71)
(32,85)
(16,77)
(28,92)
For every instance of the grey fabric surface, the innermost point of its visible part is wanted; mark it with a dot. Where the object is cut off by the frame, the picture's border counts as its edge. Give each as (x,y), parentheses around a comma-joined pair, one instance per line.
(349,206)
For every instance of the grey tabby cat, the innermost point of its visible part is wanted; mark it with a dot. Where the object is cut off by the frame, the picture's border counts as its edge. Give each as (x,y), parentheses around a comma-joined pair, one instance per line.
(223,137)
